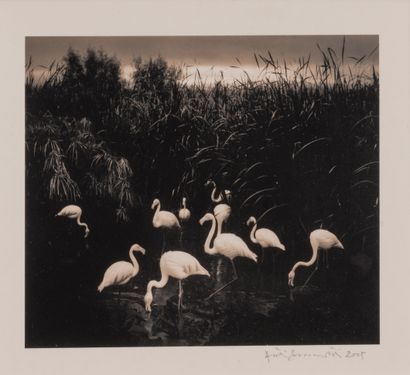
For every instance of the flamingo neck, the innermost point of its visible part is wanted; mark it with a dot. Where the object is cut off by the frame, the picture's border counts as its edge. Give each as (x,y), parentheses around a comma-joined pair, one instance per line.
(214,198)
(310,261)
(253,238)
(157,209)
(183,204)
(157,284)
(134,261)
(154,284)
(218,226)
(81,223)
(207,246)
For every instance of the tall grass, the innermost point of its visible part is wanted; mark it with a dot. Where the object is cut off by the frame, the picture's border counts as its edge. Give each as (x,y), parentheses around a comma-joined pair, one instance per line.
(299,148)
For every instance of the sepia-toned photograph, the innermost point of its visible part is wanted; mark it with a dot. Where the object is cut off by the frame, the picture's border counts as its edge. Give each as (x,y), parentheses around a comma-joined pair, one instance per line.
(201,190)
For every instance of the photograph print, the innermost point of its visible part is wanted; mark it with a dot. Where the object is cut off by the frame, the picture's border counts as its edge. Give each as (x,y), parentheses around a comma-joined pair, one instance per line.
(201,190)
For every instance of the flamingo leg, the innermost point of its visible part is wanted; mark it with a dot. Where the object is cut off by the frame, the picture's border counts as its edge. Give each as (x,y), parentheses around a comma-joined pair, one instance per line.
(180,237)
(310,276)
(224,286)
(278,265)
(180,294)
(218,270)
(273,268)
(180,325)
(234,270)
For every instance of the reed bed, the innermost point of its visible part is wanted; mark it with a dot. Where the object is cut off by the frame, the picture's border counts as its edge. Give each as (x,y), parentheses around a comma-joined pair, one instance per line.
(299,148)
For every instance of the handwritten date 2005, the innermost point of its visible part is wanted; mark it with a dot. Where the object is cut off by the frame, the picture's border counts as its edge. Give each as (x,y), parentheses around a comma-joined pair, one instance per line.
(293,354)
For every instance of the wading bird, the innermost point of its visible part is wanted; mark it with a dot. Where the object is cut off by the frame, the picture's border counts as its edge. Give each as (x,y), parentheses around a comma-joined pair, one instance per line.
(319,239)
(184,214)
(74,212)
(120,273)
(179,265)
(227,244)
(163,219)
(264,237)
(222,211)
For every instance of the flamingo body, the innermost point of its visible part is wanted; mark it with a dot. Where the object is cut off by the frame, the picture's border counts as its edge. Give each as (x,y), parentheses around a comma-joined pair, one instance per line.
(71,211)
(165,219)
(267,238)
(120,273)
(232,246)
(176,264)
(180,265)
(222,210)
(324,239)
(184,214)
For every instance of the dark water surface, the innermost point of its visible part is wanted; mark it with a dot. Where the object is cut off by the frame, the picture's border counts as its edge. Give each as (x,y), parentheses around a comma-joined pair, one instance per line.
(64,309)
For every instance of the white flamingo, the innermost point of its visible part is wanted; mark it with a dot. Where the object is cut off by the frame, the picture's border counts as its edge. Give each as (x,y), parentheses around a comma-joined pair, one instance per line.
(184,214)
(319,239)
(164,220)
(264,237)
(74,212)
(120,273)
(227,244)
(222,211)
(179,265)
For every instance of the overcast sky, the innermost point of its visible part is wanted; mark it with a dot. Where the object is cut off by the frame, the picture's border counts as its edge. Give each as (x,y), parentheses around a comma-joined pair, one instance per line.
(210,54)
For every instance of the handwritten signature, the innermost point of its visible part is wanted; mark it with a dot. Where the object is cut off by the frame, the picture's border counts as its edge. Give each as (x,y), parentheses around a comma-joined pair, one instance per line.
(292,354)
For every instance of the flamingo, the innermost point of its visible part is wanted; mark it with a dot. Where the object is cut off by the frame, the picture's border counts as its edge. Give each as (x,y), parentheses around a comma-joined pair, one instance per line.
(120,273)
(319,239)
(164,220)
(227,244)
(222,211)
(264,237)
(184,214)
(177,264)
(74,212)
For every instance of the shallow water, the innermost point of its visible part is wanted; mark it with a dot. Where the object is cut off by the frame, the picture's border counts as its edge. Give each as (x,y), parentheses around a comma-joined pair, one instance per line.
(65,309)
